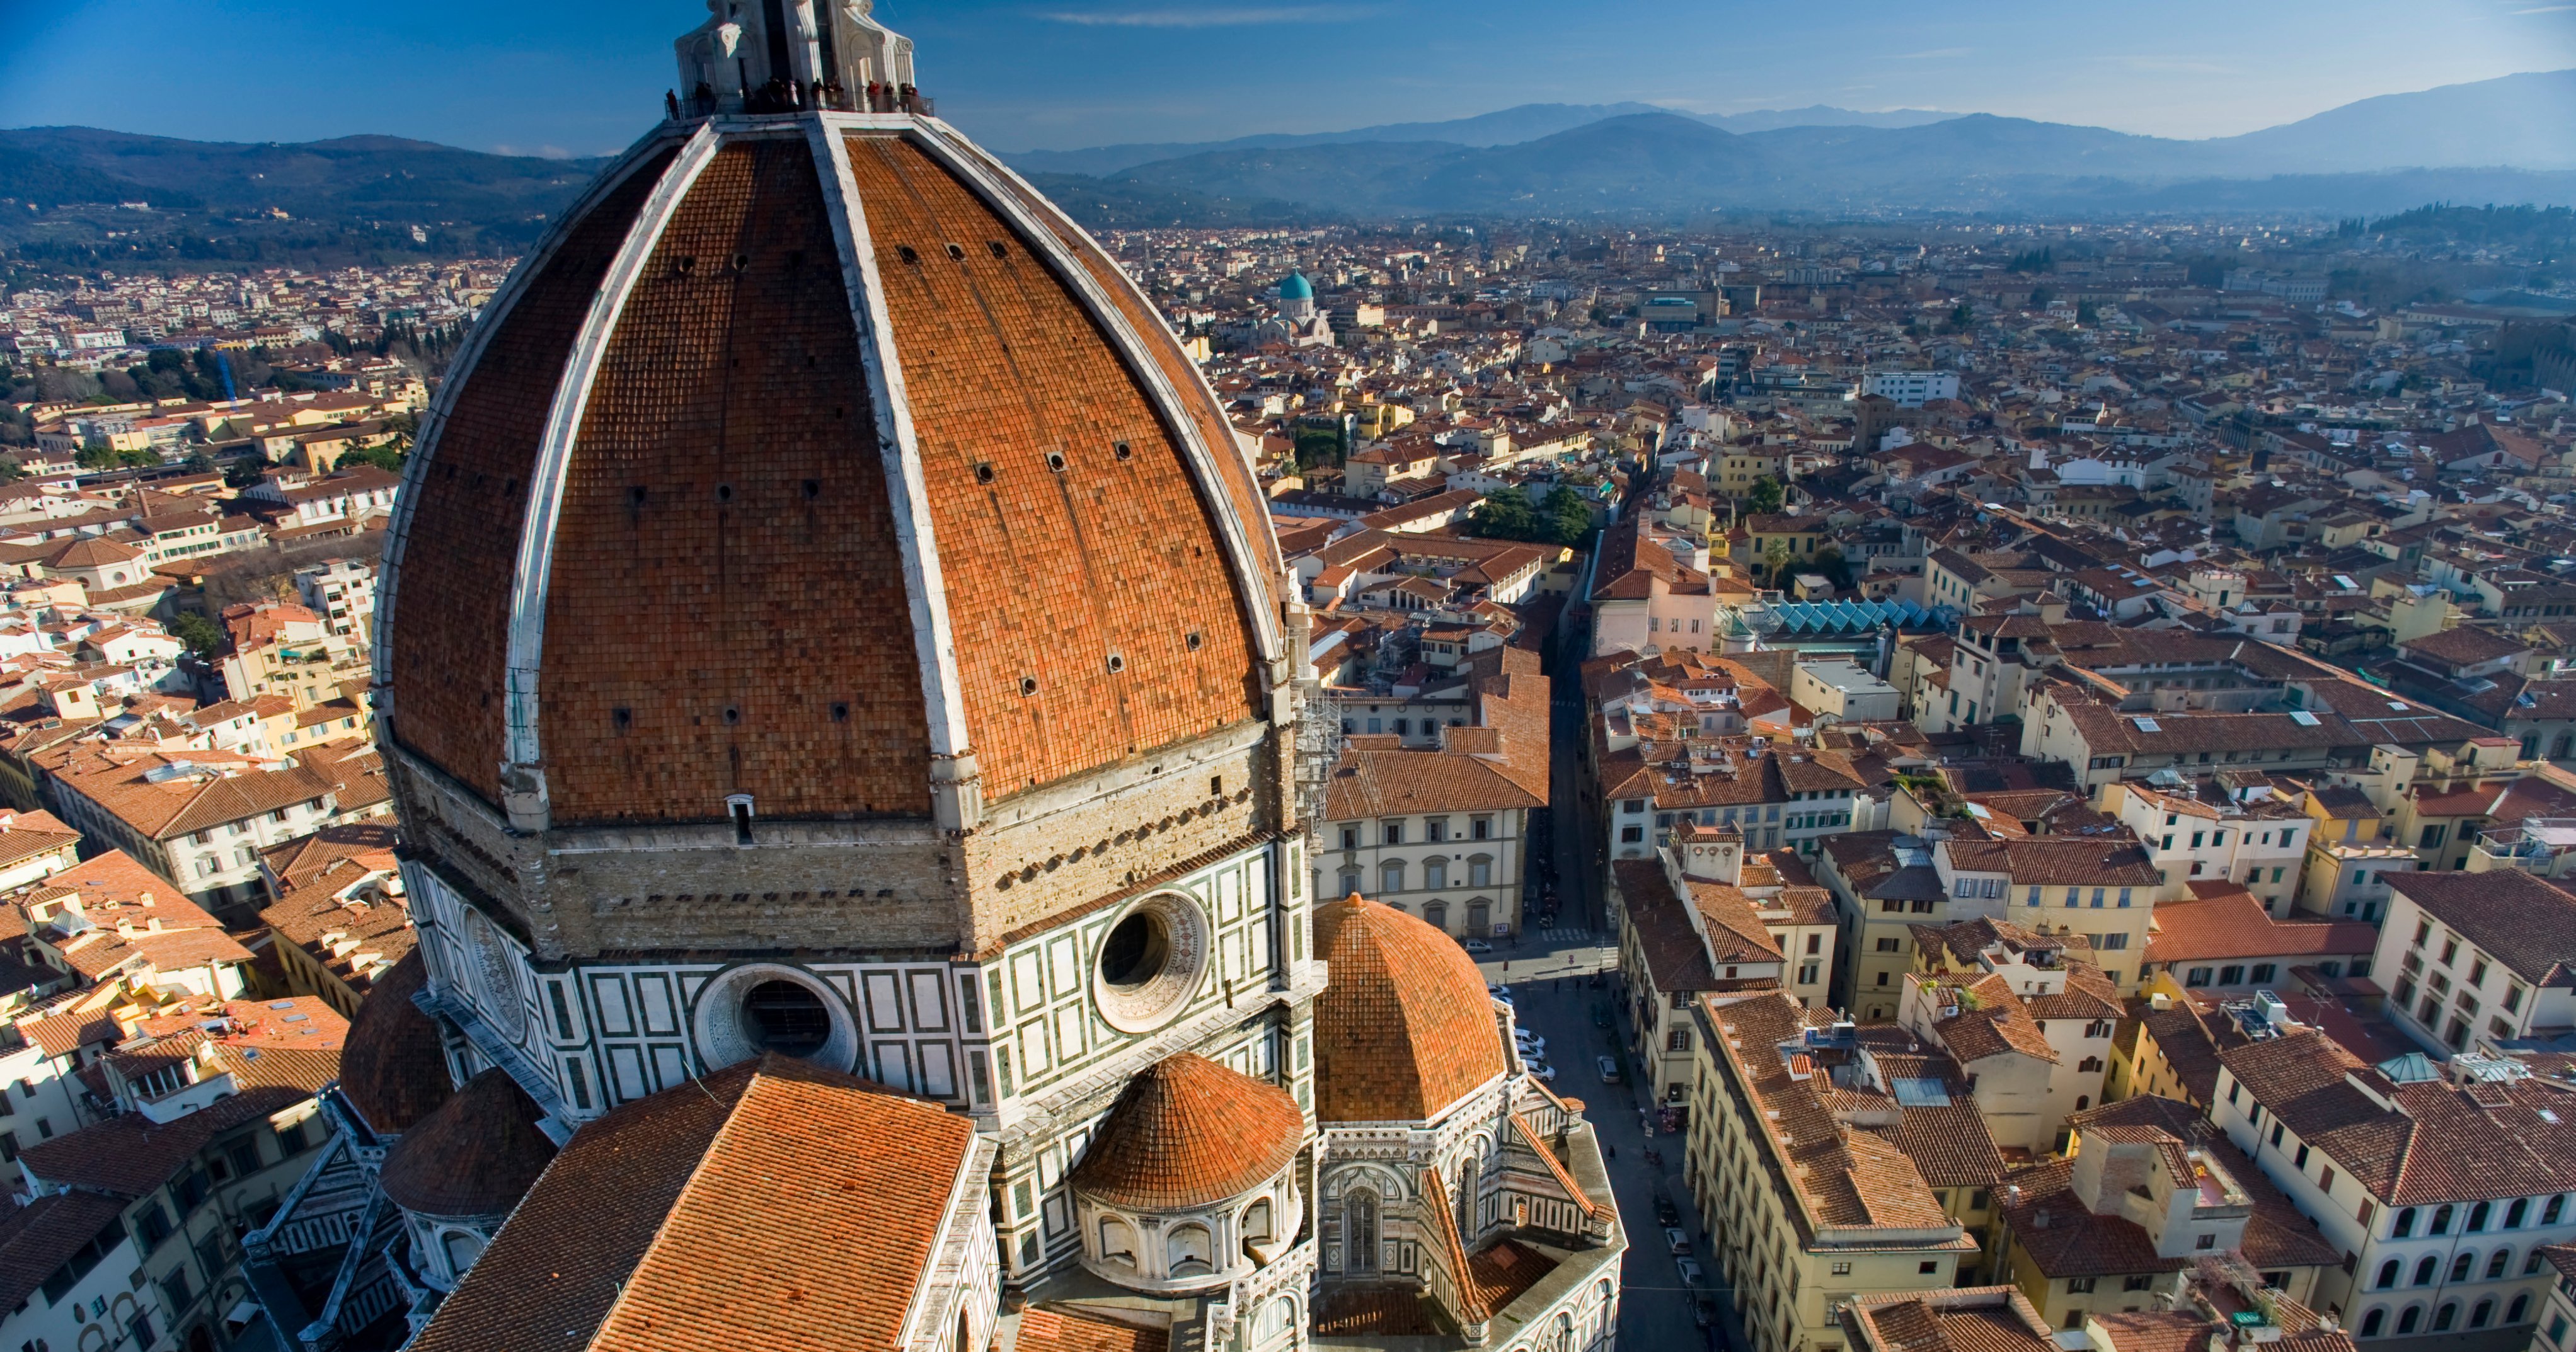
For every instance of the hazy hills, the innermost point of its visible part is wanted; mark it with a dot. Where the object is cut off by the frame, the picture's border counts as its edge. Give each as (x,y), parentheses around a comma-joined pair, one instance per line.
(2506,140)
(1527,122)
(382,198)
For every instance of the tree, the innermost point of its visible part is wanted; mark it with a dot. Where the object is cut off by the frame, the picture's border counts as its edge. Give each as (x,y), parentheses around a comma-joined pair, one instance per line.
(199,633)
(1505,515)
(388,457)
(2086,314)
(2040,296)
(1566,516)
(1963,317)
(1766,496)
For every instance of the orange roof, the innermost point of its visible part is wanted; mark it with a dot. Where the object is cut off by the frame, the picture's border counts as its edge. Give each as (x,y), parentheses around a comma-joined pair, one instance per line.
(1405,1029)
(1189,1132)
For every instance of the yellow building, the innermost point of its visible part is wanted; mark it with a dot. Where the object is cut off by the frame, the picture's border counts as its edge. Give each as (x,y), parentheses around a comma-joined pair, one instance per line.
(1794,1164)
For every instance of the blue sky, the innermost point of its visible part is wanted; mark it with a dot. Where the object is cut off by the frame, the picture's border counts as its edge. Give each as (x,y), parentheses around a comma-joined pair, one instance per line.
(586,76)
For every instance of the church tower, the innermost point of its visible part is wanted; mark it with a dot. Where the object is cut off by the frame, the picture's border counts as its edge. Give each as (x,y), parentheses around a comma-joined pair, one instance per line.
(828,617)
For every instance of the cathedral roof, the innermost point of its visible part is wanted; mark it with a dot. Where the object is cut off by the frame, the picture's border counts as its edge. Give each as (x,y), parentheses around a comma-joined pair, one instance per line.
(1406,1029)
(1295,287)
(773,1204)
(729,450)
(1187,1133)
(392,1069)
(476,1156)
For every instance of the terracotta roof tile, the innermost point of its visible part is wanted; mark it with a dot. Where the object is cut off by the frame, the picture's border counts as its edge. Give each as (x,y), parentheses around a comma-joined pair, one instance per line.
(394,1068)
(773,1204)
(477,1154)
(1189,1132)
(1406,1028)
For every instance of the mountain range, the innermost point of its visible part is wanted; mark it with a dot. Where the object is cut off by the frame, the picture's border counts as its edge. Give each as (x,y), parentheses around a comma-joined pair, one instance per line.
(2508,140)
(385,198)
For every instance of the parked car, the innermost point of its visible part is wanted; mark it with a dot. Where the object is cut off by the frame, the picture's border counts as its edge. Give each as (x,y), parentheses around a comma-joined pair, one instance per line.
(1530,1042)
(1675,1240)
(1609,1069)
(1601,1018)
(1502,993)
(1543,1070)
(1479,946)
(1690,1272)
(1665,1212)
(1703,1313)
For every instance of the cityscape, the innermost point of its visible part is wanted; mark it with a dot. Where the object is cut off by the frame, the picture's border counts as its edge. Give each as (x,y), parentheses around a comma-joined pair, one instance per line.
(1600,725)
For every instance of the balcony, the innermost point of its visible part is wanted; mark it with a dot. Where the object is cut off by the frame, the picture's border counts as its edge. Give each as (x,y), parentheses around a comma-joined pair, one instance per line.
(2542,846)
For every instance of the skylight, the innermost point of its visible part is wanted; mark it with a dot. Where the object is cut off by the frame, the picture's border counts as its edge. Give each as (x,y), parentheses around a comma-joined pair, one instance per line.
(2303,718)
(2146,725)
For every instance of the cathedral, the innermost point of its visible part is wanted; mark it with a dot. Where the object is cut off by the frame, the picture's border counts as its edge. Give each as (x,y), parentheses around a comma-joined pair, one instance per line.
(842,695)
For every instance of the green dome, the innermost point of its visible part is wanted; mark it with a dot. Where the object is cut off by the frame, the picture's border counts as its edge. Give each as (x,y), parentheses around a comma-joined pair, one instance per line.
(1296,288)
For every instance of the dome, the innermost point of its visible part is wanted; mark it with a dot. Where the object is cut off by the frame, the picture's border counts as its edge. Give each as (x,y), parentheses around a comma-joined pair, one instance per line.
(393,1070)
(1190,1133)
(813,462)
(476,1156)
(1296,287)
(1405,1029)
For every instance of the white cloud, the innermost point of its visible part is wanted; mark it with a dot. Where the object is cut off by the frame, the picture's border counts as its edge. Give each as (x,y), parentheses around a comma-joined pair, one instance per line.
(1209,17)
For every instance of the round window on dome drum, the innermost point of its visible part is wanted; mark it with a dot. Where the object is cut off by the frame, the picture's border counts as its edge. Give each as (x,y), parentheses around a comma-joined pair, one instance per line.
(1150,962)
(1135,952)
(784,1017)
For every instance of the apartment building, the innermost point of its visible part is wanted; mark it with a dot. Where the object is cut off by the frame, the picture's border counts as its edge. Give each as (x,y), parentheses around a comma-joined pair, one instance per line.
(1883,884)
(2478,958)
(200,817)
(1802,1159)
(217,1121)
(1440,829)
(2238,826)
(2143,1190)
(2102,886)
(1702,917)
(2029,1019)
(2438,1184)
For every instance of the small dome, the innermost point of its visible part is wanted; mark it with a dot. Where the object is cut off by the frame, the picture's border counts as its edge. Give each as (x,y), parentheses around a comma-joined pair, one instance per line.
(476,1156)
(393,1070)
(1189,1133)
(1296,287)
(1406,1028)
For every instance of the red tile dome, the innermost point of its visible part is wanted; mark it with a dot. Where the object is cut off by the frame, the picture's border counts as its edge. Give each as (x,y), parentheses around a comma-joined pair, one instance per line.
(1190,1133)
(476,1156)
(393,1070)
(1406,1029)
(813,456)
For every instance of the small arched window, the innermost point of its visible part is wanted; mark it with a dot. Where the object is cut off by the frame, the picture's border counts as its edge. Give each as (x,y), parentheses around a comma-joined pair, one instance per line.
(2373,1322)
(2478,1216)
(2498,1262)
(2446,1316)
(2461,1264)
(2515,1214)
(1117,1241)
(1188,1251)
(2441,1219)
(2387,1275)
(462,1248)
(2513,1312)
(2482,1313)
(2405,1224)
(2424,1270)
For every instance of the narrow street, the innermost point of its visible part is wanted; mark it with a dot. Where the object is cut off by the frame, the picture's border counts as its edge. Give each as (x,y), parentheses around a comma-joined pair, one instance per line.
(1549,970)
